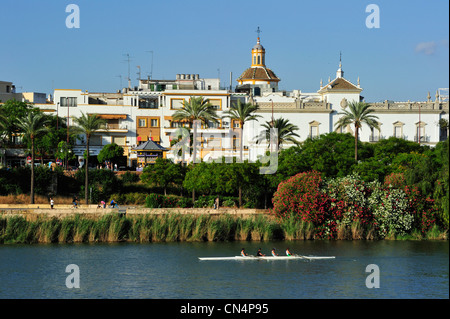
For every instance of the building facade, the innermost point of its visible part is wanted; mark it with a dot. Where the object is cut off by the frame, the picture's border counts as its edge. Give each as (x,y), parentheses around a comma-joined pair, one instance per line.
(135,115)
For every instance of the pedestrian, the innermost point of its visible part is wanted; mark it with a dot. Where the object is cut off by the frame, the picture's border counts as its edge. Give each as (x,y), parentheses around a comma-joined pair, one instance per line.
(52,202)
(216,203)
(74,202)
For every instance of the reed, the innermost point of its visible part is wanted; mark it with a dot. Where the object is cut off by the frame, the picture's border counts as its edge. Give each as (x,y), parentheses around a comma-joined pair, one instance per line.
(175,227)
(293,228)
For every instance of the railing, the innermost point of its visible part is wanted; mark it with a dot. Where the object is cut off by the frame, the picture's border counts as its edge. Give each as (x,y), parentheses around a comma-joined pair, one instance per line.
(117,126)
(422,138)
(376,138)
(397,106)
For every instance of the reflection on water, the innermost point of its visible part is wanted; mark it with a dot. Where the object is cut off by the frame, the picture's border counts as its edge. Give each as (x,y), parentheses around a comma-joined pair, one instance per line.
(408,269)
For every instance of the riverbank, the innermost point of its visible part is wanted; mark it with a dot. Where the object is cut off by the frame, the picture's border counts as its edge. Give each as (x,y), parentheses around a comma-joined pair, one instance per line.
(32,212)
(156,226)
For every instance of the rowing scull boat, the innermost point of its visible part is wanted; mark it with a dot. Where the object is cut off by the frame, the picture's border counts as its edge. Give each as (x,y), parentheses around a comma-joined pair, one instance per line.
(266,257)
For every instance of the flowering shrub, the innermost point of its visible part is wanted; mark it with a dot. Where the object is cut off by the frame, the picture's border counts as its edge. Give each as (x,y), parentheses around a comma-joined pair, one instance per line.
(349,196)
(301,196)
(345,202)
(391,211)
(423,209)
(396,180)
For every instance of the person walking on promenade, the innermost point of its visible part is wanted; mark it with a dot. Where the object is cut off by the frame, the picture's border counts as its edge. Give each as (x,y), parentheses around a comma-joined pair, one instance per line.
(52,202)
(216,203)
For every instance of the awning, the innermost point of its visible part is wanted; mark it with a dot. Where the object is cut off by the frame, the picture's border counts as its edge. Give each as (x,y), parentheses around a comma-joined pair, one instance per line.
(112,116)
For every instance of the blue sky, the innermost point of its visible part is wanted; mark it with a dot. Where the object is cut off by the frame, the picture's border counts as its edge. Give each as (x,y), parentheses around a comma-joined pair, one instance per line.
(402,60)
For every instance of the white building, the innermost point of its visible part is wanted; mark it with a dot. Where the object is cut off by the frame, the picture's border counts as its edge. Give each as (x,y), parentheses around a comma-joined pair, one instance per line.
(144,112)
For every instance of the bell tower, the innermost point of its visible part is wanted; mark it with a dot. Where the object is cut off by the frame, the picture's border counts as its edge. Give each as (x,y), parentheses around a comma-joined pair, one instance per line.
(258,53)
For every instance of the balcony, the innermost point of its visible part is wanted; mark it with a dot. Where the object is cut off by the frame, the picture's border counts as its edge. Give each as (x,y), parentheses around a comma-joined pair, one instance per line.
(115,128)
(423,139)
(376,138)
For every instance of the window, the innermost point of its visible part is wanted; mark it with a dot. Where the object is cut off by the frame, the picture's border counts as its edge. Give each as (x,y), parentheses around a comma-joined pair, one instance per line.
(142,123)
(212,124)
(176,104)
(95,140)
(375,134)
(420,132)
(216,103)
(148,103)
(68,101)
(154,123)
(179,124)
(119,140)
(259,59)
(314,129)
(398,129)
(236,124)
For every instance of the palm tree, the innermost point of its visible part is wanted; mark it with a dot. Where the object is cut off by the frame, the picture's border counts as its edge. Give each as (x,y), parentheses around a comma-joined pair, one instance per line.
(88,124)
(242,112)
(357,114)
(32,126)
(285,131)
(197,109)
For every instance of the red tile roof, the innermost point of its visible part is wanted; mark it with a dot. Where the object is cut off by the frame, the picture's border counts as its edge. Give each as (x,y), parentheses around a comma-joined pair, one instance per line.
(258,73)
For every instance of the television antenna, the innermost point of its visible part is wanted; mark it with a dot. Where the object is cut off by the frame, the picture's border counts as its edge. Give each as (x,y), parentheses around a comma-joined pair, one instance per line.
(151,66)
(128,61)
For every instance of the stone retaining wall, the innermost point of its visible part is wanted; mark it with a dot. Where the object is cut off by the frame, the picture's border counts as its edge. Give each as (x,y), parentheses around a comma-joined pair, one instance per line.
(31,212)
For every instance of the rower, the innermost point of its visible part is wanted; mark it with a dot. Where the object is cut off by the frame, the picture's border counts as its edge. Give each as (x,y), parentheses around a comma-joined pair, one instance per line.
(243,253)
(259,253)
(288,253)
(274,253)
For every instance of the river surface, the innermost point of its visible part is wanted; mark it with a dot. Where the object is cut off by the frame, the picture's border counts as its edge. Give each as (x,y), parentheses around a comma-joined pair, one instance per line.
(405,269)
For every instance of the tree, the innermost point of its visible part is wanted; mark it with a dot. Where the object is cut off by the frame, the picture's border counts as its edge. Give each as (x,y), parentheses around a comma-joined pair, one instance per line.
(285,131)
(359,113)
(242,112)
(48,144)
(110,152)
(32,126)
(163,173)
(88,124)
(331,154)
(13,111)
(197,109)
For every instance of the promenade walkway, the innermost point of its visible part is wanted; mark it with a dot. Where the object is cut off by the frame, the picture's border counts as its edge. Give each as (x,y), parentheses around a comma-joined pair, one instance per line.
(32,211)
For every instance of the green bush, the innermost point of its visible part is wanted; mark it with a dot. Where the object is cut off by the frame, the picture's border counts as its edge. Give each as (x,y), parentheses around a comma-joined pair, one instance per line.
(154,200)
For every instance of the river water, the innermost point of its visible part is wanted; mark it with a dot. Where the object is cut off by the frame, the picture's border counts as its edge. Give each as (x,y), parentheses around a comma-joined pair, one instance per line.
(405,269)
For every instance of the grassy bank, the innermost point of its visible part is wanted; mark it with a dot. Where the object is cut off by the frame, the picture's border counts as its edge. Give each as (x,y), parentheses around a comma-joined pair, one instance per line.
(151,228)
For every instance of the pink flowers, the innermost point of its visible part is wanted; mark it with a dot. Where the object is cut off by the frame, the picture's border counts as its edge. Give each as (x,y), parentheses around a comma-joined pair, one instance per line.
(343,201)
